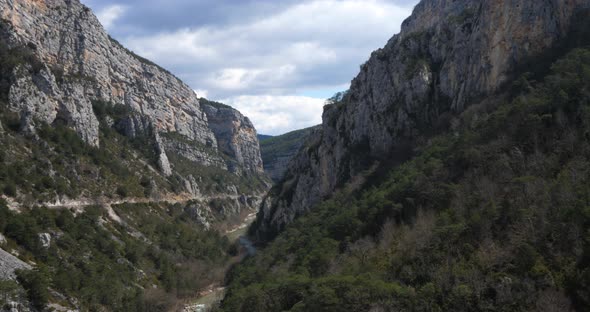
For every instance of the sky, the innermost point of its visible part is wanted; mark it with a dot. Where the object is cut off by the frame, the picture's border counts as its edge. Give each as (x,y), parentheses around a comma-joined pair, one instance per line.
(274,61)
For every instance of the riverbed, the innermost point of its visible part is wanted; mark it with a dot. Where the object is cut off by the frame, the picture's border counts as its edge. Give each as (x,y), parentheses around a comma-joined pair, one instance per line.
(214,293)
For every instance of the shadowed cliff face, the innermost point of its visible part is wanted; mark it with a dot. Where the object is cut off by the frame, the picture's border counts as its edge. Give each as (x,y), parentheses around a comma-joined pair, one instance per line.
(236,136)
(79,65)
(447,55)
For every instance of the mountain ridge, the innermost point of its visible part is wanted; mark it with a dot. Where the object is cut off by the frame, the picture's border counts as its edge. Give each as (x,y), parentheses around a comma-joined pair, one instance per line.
(117,185)
(277,151)
(93,67)
(448,54)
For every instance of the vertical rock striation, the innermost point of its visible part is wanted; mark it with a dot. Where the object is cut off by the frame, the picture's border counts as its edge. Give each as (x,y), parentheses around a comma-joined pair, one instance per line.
(81,63)
(447,55)
(235,135)
(78,65)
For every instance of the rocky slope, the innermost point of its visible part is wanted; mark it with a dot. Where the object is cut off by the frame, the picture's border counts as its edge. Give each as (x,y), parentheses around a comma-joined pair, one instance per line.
(82,64)
(278,151)
(9,264)
(110,166)
(448,55)
(75,68)
(90,66)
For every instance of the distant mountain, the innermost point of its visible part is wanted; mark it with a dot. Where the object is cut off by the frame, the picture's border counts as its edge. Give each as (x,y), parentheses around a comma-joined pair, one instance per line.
(277,151)
(262,137)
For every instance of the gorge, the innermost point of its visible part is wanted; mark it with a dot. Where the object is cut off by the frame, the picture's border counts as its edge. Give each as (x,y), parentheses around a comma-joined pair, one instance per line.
(453,175)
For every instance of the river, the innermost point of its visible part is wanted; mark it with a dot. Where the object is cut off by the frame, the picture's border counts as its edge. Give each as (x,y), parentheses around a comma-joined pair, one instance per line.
(214,293)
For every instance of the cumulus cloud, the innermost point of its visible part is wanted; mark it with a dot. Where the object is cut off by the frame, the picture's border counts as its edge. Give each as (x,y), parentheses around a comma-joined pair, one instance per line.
(275,115)
(110,14)
(266,51)
(317,43)
(201,93)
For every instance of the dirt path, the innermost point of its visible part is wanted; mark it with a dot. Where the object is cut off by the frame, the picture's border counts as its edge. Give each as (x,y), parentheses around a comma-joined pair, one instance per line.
(210,295)
(102,201)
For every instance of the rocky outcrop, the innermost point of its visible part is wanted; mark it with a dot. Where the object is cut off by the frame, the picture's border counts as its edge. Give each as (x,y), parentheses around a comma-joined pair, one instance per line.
(224,208)
(82,63)
(76,66)
(235,134)
(9,264)
(447,55)
(193,151)
(44,239)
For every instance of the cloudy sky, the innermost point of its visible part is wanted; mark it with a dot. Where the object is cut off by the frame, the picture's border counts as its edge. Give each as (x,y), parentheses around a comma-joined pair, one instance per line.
(275,61)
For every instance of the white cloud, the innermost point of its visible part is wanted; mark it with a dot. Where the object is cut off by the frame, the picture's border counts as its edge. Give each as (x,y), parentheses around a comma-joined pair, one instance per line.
(313,43)
(275,115)
(109,15)
(201,93)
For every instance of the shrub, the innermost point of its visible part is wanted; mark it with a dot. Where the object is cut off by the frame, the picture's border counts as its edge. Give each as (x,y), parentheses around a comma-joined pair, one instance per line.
(10,189)
(36,282)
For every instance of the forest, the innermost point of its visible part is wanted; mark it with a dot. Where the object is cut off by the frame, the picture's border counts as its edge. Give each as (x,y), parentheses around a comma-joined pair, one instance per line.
(492,215)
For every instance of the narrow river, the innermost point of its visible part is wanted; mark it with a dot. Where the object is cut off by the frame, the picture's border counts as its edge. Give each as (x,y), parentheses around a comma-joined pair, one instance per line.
(214,293)
(248,245)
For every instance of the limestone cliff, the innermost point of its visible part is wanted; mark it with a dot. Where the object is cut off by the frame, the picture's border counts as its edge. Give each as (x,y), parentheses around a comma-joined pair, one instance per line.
(89,65)
(235,134)
(78,65)
(447,56)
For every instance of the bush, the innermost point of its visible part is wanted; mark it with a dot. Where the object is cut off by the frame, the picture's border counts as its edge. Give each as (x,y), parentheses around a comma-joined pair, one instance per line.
(491,217)
(36,282)
(9,189)
(122,191)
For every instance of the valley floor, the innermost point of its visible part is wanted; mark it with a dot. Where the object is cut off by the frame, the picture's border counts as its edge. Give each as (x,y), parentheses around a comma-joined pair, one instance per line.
(212,295)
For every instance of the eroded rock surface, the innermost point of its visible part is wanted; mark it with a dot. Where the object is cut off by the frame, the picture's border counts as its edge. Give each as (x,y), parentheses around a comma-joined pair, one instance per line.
(9,264)
(78,65)
(236,136)
(447,55)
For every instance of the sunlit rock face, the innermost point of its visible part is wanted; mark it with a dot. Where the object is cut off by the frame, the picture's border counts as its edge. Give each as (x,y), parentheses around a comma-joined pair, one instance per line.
(447,55)
(236,136)
(80,64)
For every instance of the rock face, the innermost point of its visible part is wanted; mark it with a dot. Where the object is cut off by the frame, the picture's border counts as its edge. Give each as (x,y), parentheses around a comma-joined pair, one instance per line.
(45,240)
(235,134)
(447,55)
(80,65)
(9,264)
(91,66)
(206,213)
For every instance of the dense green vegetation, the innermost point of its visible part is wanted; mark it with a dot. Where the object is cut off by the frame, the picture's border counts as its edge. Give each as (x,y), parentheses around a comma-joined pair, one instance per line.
(263,137)
(36,282)
(11,290)
(284,144)
(157,255)
(58,162)
(204,101)
(492,216)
